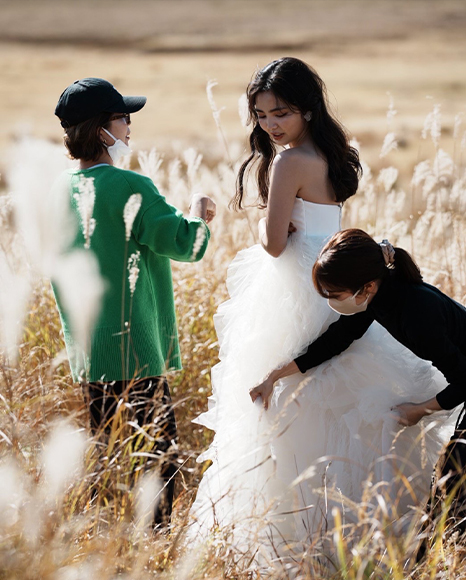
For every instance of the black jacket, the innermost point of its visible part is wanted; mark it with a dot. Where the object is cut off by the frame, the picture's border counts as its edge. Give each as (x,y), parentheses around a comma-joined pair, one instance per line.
(426,321)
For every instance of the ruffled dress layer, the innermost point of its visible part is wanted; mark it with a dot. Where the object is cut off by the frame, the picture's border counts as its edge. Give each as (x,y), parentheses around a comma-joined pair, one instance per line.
(329,438)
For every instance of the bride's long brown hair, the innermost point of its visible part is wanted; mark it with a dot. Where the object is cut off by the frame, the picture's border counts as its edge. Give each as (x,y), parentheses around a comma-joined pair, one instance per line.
(298,86)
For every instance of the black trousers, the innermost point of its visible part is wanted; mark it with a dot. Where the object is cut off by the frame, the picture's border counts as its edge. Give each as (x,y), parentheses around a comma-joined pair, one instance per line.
(146,402)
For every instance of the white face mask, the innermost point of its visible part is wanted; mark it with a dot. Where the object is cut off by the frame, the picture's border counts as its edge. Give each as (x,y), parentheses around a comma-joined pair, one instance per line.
(118,149)
(348,306)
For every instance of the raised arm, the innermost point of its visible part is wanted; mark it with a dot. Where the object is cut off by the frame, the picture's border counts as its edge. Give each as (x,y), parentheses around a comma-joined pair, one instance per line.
(165,230)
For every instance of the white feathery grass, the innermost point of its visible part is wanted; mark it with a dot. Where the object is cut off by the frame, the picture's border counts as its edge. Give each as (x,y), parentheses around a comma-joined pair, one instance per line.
(85,200)
(44,227)
(177,188)
(174,174)
(193,160)
(124,162)
(62,458)
(308,473)
(389,144)
(458,196)
(130,212)
(41,201)
(12,494)
(457,125)
(216,114)
(421,172)
(81,290)
(150,163)
(432,125)
(366,176)
(213,105)
(15,288)
(190,562)
(6,211)
(443,167)
(147,498)
(387,178)
(81,571)
(200,237)
(429,186)
(133,270)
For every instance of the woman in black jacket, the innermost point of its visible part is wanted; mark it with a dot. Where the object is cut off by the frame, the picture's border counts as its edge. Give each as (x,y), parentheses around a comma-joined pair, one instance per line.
(365,282)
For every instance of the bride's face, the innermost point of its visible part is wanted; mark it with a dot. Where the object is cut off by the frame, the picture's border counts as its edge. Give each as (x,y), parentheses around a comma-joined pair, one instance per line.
(284,125)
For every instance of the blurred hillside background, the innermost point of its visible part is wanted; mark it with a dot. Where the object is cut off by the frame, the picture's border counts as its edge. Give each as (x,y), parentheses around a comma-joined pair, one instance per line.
(169,49)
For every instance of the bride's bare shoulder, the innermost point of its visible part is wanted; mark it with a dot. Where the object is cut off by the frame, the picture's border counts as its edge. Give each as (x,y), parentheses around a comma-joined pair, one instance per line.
(307,171)
(298,156)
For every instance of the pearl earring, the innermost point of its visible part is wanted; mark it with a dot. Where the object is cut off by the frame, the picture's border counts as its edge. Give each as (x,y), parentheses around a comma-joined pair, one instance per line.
(307,116)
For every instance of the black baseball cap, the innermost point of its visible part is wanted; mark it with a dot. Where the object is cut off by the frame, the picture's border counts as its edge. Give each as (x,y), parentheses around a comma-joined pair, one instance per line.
(89,97)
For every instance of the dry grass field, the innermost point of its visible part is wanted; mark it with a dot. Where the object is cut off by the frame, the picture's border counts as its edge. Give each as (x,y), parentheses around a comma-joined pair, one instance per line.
(51,526)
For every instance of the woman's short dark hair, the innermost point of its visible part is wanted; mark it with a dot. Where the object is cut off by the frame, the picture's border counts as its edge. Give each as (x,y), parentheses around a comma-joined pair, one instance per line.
(83,140)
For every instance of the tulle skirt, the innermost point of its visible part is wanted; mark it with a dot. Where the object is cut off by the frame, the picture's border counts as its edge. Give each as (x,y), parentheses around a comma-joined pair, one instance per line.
(329,439)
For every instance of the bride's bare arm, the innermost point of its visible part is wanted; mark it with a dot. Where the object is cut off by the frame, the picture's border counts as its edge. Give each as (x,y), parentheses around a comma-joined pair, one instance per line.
(264,389)
(285,180)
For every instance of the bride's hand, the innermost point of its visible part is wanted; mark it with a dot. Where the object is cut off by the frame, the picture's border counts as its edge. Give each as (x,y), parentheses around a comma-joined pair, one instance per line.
(263,390)
(291,229)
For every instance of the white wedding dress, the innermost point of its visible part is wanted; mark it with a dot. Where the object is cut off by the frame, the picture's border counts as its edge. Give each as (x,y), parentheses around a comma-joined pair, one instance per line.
(328,438)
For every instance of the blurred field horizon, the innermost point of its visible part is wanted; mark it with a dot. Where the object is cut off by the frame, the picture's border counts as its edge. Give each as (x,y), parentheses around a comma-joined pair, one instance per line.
(169,49)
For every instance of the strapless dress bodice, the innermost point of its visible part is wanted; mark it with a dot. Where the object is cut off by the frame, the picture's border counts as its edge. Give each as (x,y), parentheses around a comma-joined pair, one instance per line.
(315,219)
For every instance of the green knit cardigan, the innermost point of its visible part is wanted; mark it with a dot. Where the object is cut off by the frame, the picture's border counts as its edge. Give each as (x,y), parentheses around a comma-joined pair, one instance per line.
(135,335)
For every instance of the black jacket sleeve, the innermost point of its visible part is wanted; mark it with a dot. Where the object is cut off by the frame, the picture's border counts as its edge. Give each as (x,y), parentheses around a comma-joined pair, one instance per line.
(335,340)
(431,336)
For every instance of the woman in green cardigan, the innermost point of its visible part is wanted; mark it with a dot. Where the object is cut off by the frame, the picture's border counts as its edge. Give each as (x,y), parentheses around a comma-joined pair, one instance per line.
(133,233)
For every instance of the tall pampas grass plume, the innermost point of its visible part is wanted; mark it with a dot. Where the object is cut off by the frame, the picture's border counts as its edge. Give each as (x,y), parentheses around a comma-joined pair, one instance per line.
(81,287)
(62,458)
(147,499)
(130,212)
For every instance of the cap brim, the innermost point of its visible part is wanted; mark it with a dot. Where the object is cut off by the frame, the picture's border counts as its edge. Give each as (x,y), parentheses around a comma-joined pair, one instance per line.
(128,105)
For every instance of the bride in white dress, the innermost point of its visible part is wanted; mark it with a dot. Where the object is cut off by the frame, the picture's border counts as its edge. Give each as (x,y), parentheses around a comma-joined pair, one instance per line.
(328,436)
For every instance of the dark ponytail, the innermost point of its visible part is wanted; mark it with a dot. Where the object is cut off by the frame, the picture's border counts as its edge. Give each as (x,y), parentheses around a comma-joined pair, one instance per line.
(406,268)
(352,259)
(298,86)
